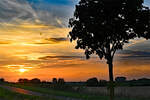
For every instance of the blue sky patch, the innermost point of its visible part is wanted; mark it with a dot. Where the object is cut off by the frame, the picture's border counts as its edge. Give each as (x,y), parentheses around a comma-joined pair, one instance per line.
(57,2)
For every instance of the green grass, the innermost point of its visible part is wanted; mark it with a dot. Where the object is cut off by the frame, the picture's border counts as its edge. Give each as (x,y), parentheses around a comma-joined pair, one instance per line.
(60,93)
(67,94)
(8,95)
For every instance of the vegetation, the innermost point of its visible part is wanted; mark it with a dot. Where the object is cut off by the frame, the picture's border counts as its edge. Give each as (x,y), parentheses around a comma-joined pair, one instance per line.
(92,82)
(58,92)
(8,95)
(34,80)
(64,93)
(102,27)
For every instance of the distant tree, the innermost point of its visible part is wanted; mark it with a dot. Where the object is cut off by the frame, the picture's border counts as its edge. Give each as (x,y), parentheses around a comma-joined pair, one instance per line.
(102,27)
(35,81)
(2,80)
(92,82)
(54,80)
(103,82)
(144,80)
(23,80)
(120,79)
(61,81)
(139,82)
(44,82)
(20,80)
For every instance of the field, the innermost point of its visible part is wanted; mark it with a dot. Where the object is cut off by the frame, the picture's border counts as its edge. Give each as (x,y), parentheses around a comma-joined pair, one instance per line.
(123,93)
(8,95)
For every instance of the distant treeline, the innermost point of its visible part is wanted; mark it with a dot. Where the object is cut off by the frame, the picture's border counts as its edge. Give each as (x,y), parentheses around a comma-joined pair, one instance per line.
(119,81)
(37,81)
(91,82)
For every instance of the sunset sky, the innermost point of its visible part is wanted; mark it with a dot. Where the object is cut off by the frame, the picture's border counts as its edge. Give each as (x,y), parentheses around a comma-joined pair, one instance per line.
(34,44)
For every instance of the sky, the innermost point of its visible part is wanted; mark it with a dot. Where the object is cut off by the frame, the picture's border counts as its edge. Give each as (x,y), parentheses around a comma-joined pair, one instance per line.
(34,44)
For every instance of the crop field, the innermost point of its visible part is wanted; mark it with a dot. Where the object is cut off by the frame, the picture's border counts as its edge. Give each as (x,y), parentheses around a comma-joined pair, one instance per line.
(132,92)
(9,95)
(87,93)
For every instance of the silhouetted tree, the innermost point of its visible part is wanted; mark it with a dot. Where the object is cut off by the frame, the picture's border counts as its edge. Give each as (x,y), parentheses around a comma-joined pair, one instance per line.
(23,80)
(103,26)
(92,82)
(103,82)
(120,79)
(20,80)
(54,80)
(2,80)
(144,80)
(44,82)
(35,81)
(61,81)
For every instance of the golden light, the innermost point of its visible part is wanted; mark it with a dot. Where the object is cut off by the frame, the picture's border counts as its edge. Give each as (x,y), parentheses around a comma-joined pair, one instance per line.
(22,70)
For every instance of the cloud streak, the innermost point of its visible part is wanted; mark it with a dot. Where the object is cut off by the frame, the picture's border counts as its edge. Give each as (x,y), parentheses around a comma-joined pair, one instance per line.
(11,10)
(36,11)
(57,40)
(129,54)
(60,57)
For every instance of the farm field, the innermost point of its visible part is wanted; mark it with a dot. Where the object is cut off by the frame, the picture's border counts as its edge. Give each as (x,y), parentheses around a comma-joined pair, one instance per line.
(91,93)
(9,95)
(135,91)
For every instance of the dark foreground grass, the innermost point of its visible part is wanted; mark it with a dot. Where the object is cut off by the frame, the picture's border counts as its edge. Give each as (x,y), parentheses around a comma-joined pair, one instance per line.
(67,94)
(60,92)
(9,95)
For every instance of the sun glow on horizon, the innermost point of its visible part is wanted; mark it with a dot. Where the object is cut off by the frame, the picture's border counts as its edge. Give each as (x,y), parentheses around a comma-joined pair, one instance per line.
(22,70)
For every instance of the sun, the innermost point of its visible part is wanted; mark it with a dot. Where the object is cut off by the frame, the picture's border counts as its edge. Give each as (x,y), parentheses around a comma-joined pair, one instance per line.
(22,70)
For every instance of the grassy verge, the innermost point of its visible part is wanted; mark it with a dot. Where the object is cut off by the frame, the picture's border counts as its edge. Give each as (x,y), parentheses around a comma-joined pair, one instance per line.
(67,94)
(60,92)
(8,95)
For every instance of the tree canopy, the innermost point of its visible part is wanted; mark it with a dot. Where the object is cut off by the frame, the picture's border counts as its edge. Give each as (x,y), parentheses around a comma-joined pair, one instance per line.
(104,26)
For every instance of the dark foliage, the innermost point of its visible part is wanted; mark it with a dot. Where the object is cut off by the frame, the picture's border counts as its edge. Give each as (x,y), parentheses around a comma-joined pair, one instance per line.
(54,80)
(103,83)
(104,26)
(2,80)
(120,79)
(92,82)
(58,84)
(35,81)
(61,81)
(23,80)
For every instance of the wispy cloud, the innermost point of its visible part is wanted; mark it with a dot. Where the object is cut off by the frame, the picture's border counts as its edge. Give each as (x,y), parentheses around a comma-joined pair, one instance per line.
(39,11)
(147,2)
(60,57)
(5,42)
(10,10)
(135,54)
(61,39)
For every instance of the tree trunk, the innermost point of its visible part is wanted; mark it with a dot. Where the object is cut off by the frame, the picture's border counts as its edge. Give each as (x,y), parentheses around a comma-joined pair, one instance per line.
(111,81)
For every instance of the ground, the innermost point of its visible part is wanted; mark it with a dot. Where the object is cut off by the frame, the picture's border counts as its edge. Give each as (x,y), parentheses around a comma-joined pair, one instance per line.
(24,92)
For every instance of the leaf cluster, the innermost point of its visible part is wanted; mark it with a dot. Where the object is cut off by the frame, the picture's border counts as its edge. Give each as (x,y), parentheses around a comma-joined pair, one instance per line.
(104,26)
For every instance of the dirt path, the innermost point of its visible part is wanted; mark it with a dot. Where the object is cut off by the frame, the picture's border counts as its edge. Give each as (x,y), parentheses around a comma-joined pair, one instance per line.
(22,91)
(27,92)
